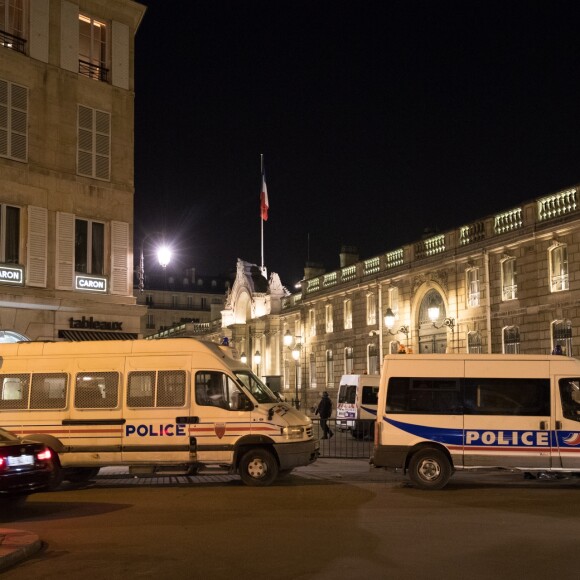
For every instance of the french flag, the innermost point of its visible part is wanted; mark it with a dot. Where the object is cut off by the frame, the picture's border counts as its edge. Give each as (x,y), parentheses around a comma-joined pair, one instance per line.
(264,205)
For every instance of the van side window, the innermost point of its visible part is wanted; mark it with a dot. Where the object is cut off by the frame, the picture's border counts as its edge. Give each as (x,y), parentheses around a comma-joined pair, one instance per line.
(570,397)
(347,394)
(97,390)
(14,394)
(424,396)
(370,395)
(48,391)
(524,397)
(215,389)
(156,389)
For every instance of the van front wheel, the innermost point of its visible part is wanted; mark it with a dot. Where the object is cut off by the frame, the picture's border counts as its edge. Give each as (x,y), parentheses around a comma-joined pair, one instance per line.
(429,469)
(258,467)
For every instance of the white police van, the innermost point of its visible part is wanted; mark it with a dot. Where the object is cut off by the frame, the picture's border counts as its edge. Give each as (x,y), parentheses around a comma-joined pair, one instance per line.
(441,413)
(356,405)
(157,406)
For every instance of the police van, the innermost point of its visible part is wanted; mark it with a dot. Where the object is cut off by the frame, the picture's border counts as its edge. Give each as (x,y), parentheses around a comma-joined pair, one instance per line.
(441,413)
(356,406)
(157,406)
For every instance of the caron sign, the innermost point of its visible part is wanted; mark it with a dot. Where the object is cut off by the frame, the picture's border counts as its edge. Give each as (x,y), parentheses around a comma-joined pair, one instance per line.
(12,275)
(90,283)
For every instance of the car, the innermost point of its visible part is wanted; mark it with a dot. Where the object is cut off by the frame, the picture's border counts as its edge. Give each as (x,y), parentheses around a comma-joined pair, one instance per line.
(25,467)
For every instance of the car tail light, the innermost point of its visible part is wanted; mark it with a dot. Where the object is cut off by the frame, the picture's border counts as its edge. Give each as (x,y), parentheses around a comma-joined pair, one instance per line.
(44,455)
(2,463)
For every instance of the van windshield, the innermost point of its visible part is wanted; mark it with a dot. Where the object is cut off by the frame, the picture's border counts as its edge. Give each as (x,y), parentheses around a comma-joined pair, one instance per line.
(347,394)
(259,390)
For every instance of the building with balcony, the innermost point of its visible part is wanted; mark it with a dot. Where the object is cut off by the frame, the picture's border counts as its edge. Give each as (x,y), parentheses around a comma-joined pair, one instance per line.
(507,283)
(66,168)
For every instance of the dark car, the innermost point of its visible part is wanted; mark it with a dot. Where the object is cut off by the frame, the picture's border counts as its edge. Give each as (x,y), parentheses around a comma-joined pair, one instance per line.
(25,467)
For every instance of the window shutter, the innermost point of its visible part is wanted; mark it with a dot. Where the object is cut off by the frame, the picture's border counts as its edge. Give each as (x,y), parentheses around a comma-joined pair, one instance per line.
(13,121)
(94,143)
(69,36)
(102,145)
(120,55)
(3,118)
(36,255)
(39,14)
(65,247)
(119,258)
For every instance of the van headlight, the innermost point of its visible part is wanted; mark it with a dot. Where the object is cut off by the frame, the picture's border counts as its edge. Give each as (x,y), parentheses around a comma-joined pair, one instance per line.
(294,432)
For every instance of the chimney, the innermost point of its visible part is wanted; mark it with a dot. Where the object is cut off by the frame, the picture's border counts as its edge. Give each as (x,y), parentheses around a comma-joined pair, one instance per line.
(312,270)
(348,256)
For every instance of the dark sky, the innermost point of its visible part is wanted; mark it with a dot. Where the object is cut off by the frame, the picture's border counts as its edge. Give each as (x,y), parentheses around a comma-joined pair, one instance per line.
(377,119)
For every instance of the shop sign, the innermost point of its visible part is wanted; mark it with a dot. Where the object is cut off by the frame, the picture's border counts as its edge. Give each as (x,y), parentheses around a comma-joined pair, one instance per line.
(12,275)
(90,283)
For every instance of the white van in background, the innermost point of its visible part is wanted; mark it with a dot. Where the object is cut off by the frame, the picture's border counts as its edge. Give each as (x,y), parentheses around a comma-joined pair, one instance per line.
(356,407)
(441,413)
(158,406)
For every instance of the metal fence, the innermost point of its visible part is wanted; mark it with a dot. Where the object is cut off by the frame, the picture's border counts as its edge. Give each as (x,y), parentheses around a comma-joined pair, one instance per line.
(346,443)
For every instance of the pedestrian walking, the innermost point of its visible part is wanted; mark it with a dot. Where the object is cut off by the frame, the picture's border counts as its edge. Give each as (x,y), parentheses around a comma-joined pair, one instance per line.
(324,409)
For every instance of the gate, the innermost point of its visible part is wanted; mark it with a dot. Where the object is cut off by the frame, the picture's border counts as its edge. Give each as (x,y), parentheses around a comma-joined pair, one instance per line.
(353,443)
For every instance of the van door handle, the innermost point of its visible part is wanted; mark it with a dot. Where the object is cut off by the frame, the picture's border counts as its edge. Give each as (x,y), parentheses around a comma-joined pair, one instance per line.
(187,420)
(558,425)
(543,425)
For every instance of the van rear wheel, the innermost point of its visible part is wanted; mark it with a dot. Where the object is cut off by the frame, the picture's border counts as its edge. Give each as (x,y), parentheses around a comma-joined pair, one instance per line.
(258,467)
(430,469)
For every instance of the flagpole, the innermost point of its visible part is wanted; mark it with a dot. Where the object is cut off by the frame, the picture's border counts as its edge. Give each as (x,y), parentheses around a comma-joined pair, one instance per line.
(261,217)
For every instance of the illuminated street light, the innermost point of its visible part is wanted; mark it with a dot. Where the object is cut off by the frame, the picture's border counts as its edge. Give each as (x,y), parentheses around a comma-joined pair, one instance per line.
(163,257)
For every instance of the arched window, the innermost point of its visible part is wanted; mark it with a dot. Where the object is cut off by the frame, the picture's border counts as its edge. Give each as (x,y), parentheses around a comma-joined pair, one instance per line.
(472,287)
(474,342)
(348,360)
(509,286)
(372,359)
(329,369)
(558,260)
(511,340)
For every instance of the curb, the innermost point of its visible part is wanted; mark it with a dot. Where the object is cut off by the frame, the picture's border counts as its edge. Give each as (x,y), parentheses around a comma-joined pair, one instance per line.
(16,545)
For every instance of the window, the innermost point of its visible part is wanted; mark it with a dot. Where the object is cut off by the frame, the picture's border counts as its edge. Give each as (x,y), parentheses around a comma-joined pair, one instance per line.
(509,287)
(348,314)
(10,234)
(12,22)
(150,321)
(371,309)
(312,371)
(13,121)
(94,143)
(215,389)
(312,322)
(424,396)
(97,390)
(48,391)
(370,395)
(372,359)
(472,290)
(511,340)
(14,394)
(174,301)
(474,342)
(570,397)
(156,389)
(93,48)
(329,369)
(348,360)
(329,318)
(89,247)
(203,303)
(522,397)
(558,260)
(562,335)
(393,299)
(190,302)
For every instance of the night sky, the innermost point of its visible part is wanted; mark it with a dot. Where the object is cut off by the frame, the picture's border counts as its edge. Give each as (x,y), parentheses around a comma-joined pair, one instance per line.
(377,120)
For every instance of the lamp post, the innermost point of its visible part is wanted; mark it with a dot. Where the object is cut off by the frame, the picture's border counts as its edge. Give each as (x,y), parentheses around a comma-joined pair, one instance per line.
(163,257)
(296,357)
(257,361)
(244,358)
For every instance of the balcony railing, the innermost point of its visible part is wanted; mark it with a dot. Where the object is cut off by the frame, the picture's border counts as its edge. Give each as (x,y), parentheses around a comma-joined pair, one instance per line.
(93,71)
(13,42)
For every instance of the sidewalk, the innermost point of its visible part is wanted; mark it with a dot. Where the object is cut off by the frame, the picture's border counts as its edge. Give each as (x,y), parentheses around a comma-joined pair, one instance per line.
(16,545)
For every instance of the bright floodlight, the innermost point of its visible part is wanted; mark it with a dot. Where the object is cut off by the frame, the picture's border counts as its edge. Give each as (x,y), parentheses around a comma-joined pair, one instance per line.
(164,256)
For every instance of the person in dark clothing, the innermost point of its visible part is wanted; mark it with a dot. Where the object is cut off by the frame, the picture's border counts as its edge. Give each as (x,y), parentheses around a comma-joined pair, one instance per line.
(324,409)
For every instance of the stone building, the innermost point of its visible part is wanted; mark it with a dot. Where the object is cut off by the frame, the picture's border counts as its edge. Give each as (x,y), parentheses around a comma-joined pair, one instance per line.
(66,168)
(507,283)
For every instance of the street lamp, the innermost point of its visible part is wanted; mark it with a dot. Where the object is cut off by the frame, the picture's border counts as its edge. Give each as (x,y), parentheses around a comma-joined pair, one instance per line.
(163,257)
(257,360)
(244,358)
(288,339)
(296,357)
(390,322)
(433,313)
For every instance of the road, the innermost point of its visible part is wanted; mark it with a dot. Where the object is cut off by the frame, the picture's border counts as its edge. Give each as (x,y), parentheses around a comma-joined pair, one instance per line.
(335,519)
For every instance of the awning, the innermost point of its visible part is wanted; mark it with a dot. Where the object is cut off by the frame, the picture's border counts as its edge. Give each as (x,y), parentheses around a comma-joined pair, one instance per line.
(79,335)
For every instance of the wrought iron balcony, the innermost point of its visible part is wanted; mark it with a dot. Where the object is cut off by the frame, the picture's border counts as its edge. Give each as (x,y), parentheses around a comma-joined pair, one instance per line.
(13,42)
(93,71)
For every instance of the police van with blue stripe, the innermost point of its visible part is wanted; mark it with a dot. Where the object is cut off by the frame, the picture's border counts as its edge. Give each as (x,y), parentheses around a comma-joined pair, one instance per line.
(442,413)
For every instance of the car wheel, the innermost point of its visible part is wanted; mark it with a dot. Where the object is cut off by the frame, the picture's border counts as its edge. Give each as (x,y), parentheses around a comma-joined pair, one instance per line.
(57,474)
(258,467)
(429,469)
